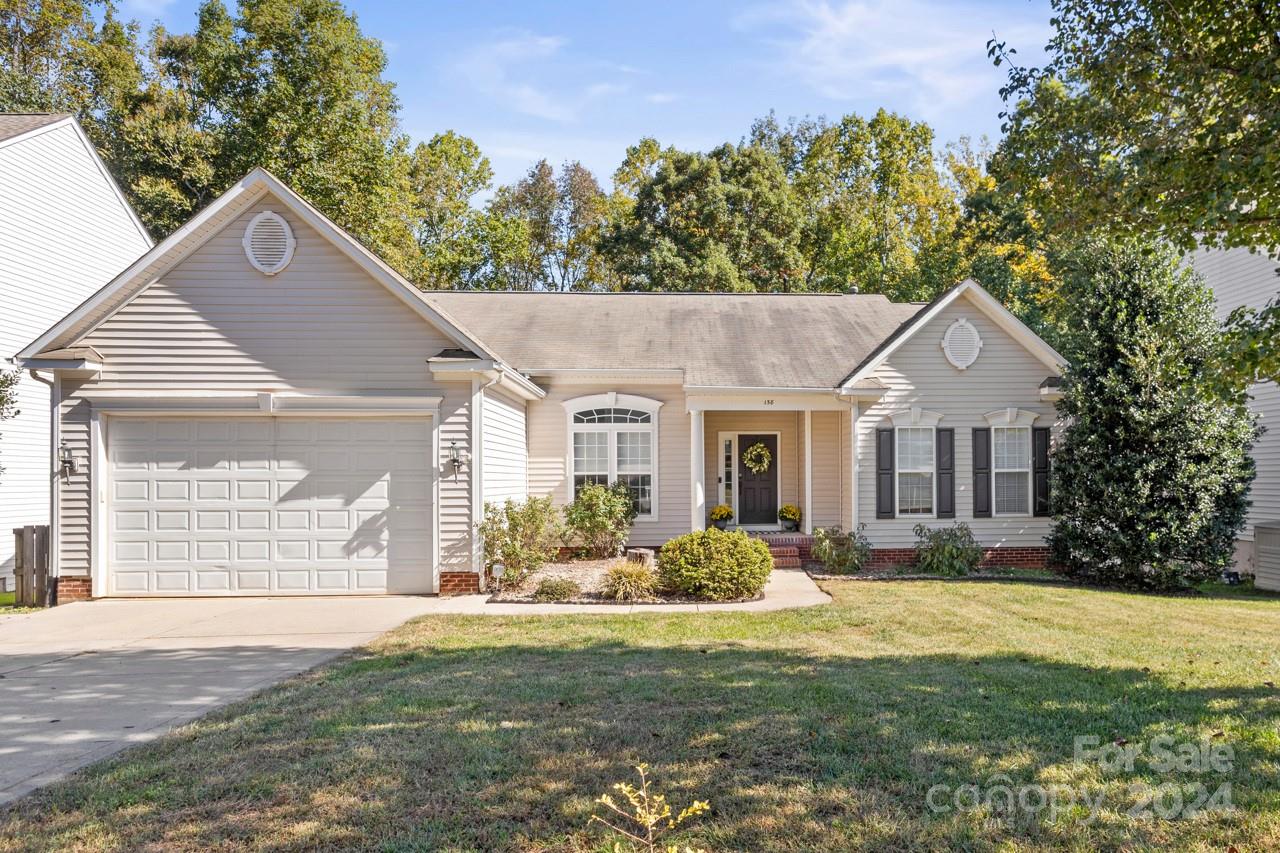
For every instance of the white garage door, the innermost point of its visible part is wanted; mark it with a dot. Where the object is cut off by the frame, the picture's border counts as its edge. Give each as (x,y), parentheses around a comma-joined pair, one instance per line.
(258,506)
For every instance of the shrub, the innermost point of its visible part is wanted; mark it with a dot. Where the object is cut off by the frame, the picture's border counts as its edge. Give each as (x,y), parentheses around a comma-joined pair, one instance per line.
(840,552)
(716,565)
(630,581)
(599,519)
(948,551)
(557,589)
(522,536)
(789,512)
(1151,475)
(722,512)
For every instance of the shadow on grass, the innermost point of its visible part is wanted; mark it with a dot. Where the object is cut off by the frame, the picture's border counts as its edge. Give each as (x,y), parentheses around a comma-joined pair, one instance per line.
(505,747)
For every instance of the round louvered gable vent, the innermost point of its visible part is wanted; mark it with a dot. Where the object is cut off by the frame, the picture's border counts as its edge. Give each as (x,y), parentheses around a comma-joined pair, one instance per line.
(268,242)
(961,344)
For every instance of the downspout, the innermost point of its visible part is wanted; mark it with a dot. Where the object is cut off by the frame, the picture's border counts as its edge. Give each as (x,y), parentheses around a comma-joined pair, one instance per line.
(55,481)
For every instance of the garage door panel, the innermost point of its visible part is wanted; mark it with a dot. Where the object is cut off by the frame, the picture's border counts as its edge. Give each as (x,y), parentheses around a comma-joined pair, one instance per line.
(300,508)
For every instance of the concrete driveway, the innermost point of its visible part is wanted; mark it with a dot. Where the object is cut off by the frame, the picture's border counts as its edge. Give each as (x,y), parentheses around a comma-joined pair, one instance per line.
(84,680)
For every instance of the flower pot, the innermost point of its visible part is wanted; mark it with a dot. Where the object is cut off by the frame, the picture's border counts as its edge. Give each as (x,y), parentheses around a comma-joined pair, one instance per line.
(790,526)
(722,524)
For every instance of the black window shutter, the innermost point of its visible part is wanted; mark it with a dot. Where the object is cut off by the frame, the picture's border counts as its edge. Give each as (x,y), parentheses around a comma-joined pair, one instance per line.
(982,472)
(1040,470)
(884,473)
(946,440)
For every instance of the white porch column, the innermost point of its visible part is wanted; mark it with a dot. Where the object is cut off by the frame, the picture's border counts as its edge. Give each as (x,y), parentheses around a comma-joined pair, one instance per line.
(697,472)
(808,471)
(853,466)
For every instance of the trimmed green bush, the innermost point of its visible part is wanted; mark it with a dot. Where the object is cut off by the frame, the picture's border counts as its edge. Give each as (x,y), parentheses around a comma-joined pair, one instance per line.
(839,552)
(948,551)
(630,582)
(599,520)
(522,536)
(557,589)
(715,565)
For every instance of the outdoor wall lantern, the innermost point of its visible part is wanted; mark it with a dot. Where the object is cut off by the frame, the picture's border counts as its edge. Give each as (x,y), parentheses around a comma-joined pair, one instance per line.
(66,460)
(457,458)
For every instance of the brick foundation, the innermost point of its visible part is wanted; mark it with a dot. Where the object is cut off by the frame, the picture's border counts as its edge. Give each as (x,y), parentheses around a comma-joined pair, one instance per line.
(459,583)
(1021,557)
(74,589)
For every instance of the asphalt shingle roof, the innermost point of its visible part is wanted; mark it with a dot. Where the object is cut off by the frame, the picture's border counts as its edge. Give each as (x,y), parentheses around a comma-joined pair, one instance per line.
(16,124)
(732,340)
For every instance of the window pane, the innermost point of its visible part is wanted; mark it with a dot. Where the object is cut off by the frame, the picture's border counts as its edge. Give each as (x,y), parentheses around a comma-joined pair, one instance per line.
(581,480)
(634,452)
(1012,491)
(1012,447)
(612,416)
(915,449)
(641,486)
(591,453)
(915,494)
(728,472)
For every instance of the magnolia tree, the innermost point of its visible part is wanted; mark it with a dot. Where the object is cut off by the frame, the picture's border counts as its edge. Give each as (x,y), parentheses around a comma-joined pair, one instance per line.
(1152,472)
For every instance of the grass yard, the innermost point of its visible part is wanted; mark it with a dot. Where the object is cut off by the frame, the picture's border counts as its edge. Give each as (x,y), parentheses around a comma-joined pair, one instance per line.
(819,729)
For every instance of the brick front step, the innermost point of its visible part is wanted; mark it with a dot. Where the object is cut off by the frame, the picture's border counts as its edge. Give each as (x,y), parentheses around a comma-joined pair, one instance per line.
(784,551)
(786,562)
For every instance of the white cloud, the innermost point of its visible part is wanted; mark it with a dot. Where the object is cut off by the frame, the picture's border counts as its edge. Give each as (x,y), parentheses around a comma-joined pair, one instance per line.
(518,72)
(489,68)
(931,54)
(661,97)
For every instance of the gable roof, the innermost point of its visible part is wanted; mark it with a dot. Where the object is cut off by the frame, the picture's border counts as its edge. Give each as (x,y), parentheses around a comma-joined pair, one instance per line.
(757,340)
(987,303)
(200,228)
(13,125)
(16,128)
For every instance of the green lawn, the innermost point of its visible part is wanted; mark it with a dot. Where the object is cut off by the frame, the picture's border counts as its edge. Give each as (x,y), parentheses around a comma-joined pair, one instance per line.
(819,729)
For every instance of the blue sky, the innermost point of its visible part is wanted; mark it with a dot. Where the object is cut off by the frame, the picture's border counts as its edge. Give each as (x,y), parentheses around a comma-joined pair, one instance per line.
(582,80)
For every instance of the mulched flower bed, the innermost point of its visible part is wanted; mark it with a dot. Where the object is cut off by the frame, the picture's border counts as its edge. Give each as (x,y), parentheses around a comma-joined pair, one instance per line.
(589,575)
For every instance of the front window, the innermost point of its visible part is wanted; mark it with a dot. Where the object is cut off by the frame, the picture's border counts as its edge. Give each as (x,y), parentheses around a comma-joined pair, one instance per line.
(915,470)
(616,444)
(1011,470)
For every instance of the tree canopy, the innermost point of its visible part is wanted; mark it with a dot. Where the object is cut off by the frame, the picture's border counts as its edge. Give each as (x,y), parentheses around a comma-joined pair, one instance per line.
(1159,116)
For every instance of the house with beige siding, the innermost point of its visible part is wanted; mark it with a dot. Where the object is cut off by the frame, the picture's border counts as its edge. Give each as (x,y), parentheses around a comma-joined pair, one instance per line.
(259,405)
(65,230)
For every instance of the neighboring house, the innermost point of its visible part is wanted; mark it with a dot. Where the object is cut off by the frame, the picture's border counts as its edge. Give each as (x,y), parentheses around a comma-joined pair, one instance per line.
(1243,278)
(65,230)
(260,405)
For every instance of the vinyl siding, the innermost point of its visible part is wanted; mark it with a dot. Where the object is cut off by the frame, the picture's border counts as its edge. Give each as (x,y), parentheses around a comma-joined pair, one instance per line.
(549,449)
(321,326)
(830,469)
(1238,278)
(918,374)
(506,449)
(65,233)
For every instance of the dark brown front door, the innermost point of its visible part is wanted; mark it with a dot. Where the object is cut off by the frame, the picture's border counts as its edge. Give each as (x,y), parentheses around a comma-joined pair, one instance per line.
(758,493)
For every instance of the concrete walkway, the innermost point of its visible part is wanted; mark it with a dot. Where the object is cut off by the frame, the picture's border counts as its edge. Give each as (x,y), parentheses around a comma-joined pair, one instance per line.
(82,681)
(786,588)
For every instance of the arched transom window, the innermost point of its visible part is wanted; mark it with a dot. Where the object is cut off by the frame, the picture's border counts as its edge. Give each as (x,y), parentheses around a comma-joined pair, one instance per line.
(613,438)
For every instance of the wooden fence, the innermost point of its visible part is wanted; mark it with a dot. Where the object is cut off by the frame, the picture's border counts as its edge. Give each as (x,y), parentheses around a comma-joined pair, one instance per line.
(31,566)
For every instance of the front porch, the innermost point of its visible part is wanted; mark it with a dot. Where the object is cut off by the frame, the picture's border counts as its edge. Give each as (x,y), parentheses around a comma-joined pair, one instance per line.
(756,455)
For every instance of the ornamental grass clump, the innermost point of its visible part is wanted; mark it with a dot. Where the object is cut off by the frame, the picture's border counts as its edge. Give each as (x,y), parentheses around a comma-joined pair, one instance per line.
(557,589)
(715,565)
(628,581)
